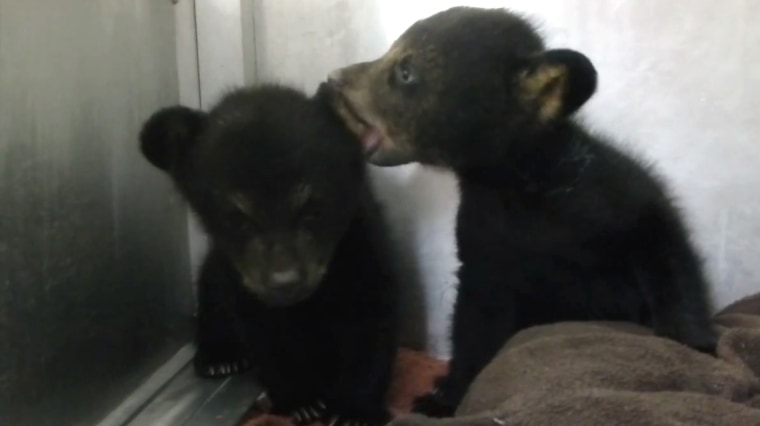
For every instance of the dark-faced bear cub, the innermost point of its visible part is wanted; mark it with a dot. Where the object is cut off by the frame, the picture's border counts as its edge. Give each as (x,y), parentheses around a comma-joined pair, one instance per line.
(555,223)
(295,284)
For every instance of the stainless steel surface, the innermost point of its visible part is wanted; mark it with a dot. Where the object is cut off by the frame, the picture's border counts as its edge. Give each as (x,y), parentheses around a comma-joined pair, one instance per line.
(94,275)
(190,401)
(228,406)
(137,401)
(174,396)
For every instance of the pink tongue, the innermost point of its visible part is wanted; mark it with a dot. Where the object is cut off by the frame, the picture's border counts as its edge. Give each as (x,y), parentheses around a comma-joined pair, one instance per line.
(371,140)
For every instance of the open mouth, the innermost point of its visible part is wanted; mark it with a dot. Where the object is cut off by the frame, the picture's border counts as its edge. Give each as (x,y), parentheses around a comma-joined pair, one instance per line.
(371,136)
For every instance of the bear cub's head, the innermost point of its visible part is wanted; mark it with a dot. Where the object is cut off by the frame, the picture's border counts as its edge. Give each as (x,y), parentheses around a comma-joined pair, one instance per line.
(274,177)
(459,88)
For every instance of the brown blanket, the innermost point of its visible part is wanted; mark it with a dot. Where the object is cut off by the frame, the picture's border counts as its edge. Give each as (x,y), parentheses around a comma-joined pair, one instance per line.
(615,374)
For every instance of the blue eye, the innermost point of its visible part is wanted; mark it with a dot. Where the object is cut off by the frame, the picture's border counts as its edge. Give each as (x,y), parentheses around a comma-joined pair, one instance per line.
(404,72)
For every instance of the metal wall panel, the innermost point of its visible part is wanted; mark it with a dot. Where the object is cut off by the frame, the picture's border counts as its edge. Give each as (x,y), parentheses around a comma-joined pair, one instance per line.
(94,275)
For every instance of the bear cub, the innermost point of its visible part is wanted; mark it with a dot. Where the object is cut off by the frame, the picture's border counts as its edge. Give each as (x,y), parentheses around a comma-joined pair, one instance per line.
(555,223)
(296,284)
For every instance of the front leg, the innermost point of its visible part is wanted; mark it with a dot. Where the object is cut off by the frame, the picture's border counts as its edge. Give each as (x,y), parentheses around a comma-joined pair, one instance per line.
(293,377)
(484,316)
(364,408)
(673,283)
(365,358)
(299,408)
(220,351)
(483,321)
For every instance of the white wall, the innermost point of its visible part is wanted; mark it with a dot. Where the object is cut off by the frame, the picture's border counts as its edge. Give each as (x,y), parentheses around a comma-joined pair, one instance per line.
(679,84)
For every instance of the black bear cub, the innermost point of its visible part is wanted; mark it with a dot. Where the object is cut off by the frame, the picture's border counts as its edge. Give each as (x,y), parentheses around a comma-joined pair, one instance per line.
(295,284)
(554,223)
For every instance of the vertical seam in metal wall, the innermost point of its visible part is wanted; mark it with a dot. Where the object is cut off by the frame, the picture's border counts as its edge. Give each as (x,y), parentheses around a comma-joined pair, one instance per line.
(197,54)
(199,99)
(248,31)
(188,71)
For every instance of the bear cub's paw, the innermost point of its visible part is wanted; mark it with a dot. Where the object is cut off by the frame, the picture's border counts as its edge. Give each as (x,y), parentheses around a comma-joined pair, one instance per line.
(309,413)
(216,364)
(704,340)
(411,420)
(346,415)
(434,404)
(688,330)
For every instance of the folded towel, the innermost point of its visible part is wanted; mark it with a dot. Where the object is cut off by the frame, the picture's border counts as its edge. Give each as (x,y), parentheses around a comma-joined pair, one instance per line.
(617,374)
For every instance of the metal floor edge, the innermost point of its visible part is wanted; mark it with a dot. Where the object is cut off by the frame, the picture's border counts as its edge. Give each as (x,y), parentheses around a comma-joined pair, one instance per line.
(174,396)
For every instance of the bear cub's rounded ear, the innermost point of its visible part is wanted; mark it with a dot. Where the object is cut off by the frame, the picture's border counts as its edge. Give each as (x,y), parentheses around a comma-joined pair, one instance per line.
(168,133)
(558,82)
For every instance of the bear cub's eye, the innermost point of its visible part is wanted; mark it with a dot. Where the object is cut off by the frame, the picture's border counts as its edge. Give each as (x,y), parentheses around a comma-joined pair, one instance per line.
(404,73)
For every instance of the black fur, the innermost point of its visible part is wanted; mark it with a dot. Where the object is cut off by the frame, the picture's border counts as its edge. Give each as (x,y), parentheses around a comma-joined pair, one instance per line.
(592,237)
(328,355)
(555,224)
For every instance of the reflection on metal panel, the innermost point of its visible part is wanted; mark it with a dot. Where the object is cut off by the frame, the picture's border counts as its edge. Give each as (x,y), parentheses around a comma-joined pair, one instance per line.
(191,401)
(94,273)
